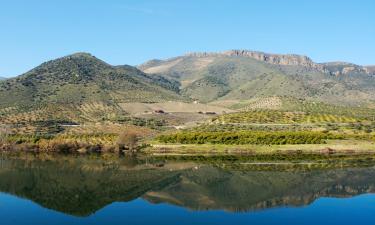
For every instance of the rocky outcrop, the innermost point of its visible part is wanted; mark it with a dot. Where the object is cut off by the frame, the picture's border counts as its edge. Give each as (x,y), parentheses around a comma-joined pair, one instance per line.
(333,68)
(277,59)
(344,68)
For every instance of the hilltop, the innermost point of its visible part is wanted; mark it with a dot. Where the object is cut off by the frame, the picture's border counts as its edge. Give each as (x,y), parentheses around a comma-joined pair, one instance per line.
(80,78)
(79,87)
(243,75)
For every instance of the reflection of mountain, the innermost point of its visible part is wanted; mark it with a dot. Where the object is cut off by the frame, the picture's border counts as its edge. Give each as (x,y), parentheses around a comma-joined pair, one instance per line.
(78,188)
(81,187)
(210,188)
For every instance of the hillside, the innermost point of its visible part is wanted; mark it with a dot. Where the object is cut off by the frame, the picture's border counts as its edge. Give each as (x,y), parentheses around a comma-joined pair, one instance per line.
(243,75)
(81,78)
(78,86)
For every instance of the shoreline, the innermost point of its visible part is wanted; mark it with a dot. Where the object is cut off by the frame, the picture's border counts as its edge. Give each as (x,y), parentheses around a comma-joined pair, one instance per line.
(346,147)
(334,146)
(296,161)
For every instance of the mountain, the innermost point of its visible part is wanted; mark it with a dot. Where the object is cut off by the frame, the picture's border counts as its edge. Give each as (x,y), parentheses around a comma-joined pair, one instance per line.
(240,191)
(81,87)
(74,189)
(82,77)
(243,75)
(2,78)
(64,87)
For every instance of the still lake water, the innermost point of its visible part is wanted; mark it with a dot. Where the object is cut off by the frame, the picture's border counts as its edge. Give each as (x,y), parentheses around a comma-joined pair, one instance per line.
(127,191)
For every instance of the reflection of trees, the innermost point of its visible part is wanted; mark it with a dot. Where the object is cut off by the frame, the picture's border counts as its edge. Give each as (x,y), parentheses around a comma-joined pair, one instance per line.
(81,187)
(77,188)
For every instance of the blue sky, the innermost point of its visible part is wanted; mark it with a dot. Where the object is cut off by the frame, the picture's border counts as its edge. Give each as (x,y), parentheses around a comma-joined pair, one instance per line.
(133,31)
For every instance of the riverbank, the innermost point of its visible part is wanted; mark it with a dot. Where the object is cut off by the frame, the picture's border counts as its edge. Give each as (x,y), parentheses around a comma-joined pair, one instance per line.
(172,142)
(106,143)
(276,161)
(331,146)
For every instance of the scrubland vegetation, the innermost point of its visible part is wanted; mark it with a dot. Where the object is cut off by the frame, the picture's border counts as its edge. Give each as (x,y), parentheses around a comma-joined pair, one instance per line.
(128,140)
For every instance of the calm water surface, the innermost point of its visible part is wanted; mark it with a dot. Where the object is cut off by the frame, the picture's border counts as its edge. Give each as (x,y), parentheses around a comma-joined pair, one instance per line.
(127,191)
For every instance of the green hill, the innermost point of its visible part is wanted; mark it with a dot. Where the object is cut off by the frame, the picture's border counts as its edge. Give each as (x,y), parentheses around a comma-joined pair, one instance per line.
(65,88)
(80,78)
(243,75)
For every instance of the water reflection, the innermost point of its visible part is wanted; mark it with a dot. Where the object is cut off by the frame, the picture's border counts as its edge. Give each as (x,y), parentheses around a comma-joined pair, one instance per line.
(81,186)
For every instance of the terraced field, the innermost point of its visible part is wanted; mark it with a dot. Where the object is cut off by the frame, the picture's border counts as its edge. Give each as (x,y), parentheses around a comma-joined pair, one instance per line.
(137,108)
(298,105)
(274,103)
(279,117)
(93,111)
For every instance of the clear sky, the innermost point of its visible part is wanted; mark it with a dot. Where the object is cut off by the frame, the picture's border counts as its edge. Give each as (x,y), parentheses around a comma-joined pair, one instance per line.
(133,31)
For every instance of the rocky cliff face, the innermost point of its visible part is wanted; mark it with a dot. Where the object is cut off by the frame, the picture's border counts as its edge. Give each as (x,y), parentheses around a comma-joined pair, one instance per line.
(343,68)
(243,75)
(277,59)
(333,68)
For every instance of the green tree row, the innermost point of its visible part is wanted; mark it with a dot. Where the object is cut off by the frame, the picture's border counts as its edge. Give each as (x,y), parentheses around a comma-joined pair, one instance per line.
(248,137)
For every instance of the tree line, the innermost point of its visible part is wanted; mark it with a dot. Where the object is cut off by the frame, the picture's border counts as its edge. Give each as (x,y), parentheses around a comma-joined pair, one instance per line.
(248,137)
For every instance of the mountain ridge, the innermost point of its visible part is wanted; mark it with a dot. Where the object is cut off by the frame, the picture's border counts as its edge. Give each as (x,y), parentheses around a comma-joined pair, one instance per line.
(243,75)
(276,59)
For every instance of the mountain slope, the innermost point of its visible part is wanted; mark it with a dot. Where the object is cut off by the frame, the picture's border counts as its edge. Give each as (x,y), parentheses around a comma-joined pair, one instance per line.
(243,75)
(78,88)
(80,78)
